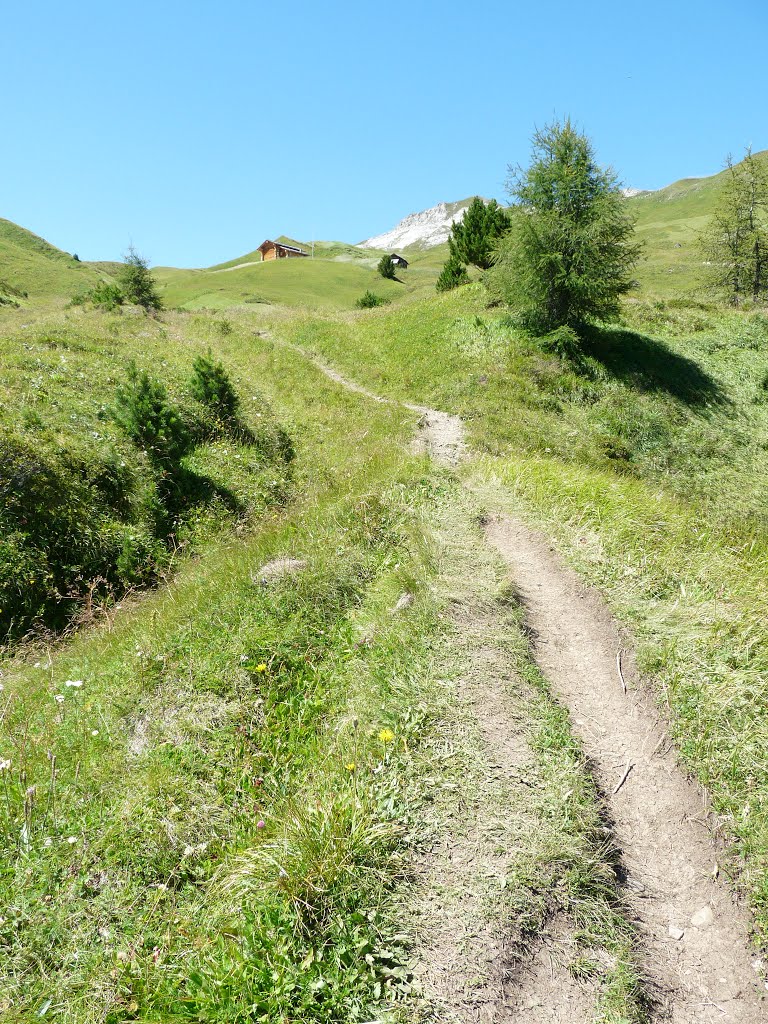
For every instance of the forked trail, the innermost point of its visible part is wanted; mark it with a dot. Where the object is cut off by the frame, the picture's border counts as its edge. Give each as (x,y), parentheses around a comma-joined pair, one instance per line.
(693,933)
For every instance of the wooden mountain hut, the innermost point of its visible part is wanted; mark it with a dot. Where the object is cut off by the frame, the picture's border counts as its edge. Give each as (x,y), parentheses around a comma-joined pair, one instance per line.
(278,251)
(399,261)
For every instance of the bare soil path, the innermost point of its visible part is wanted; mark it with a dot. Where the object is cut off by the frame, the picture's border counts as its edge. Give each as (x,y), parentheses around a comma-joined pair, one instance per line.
(694,933)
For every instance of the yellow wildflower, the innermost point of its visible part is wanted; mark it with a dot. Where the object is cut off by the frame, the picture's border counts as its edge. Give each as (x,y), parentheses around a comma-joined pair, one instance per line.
(386,736)
(261,668)
(350,766)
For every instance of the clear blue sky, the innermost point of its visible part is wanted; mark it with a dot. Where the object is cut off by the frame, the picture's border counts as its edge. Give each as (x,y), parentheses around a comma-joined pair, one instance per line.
(196,130)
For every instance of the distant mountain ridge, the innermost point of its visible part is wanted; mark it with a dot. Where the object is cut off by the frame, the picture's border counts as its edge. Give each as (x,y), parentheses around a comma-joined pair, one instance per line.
(425,229)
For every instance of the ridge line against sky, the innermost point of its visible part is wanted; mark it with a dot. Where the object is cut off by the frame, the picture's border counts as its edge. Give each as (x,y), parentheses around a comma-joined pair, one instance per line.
(196,133)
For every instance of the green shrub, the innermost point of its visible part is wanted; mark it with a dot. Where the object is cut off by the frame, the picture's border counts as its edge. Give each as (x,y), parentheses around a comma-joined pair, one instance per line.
(62,534)
(106,296)
(453,274)
(563,342)
(137,283)
(386,268)
(212,387)
(143,411)
(368,300)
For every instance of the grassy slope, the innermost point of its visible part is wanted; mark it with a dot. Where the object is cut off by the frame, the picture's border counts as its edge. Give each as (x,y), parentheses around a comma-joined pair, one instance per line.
(80,500)
(208,824)
(320,283)
(30,264)
(668,221)
(648,464)
(179,743)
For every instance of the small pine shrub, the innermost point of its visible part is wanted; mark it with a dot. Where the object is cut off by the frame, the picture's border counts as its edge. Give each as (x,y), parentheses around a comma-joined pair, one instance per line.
(563,342)
(212,387)
(368,300)
(453,274)
(106,296)
(143,411)
(137,283)
(386,268)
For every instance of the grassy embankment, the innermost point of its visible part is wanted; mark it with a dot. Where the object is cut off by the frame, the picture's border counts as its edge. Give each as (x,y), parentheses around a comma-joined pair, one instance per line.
(647,462)
(30,266)
(199,801)
(87,512)
(208,798)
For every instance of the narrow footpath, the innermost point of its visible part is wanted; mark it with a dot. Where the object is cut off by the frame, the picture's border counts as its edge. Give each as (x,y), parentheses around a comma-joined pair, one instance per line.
(692,932)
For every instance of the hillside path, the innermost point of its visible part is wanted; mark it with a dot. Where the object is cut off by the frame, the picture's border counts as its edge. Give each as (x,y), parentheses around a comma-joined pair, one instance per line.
(693,933)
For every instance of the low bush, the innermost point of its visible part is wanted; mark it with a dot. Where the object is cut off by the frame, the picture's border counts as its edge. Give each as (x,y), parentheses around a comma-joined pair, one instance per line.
(453,274)
(563,342)
(143,411)
(108,297)
(64,532)
(87,515)
(212,386)
(369,299)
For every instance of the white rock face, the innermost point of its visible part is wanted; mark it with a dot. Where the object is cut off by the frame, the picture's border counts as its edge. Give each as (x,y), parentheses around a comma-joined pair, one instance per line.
(425,229)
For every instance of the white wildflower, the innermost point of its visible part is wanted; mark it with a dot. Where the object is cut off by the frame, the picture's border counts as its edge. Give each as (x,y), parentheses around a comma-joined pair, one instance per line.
(71,840)
(59,698)
(5,765)
(94,732)
(77,683)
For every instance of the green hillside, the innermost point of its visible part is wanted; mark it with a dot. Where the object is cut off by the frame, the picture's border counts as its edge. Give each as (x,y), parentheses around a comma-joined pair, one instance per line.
(668,221)
(31,267)
(337,276)
(263,750)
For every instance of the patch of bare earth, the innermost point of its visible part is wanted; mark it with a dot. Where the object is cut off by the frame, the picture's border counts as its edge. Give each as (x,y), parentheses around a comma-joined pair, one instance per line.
(694,931)
(471,967)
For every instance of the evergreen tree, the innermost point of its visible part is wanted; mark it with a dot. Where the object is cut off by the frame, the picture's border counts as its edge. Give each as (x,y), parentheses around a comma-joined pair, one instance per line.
(387,268)
(142,409)
(453,274)
(569,252)
(473,238)
(211,385)
(735,243)
(137,283)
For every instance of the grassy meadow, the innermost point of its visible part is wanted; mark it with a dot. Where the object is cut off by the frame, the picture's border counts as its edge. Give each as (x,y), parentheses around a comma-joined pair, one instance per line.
(220,765)
(229,688)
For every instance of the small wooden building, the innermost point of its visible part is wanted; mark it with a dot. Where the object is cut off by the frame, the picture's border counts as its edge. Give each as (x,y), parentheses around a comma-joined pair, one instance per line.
(278,251)
(399,261)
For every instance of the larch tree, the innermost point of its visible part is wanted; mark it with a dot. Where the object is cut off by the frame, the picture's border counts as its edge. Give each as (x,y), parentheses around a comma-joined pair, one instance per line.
(735,242)
(137,283)
(569,254)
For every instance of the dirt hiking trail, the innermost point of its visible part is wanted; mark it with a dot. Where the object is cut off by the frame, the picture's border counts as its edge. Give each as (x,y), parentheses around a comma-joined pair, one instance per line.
(693,933)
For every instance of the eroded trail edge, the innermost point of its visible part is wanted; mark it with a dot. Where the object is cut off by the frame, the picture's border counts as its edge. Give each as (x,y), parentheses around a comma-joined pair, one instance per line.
(694,932)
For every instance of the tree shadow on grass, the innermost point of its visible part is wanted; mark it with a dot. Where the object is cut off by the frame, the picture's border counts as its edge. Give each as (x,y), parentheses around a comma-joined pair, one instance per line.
(184,490)
(646,364)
